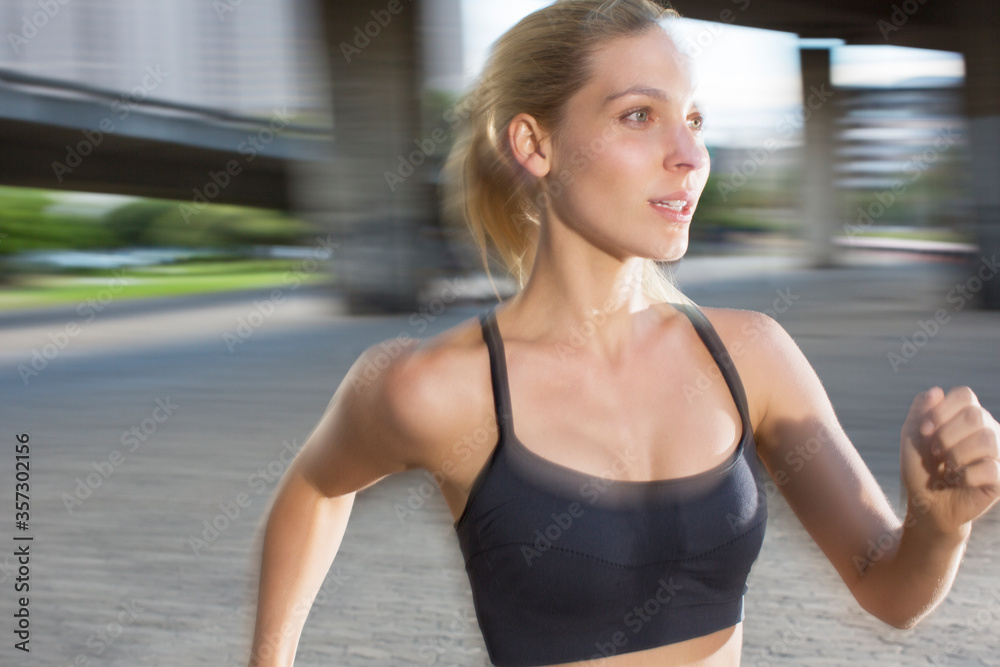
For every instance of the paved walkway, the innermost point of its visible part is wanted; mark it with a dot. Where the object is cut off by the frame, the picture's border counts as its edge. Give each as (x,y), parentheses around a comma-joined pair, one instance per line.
(118,578)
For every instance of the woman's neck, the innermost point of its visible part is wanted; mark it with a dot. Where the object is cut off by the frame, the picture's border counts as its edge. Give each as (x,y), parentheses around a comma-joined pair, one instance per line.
(576,291)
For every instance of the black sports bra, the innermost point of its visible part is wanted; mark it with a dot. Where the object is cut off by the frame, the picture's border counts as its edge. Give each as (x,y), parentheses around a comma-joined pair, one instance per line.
(566,566)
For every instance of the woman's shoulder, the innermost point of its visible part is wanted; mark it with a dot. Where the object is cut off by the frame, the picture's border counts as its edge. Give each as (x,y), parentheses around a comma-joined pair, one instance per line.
(758,346)
(431,389)
(739,327)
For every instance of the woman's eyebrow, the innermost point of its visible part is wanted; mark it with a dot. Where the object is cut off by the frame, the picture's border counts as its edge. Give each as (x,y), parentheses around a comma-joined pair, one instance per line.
(638,90)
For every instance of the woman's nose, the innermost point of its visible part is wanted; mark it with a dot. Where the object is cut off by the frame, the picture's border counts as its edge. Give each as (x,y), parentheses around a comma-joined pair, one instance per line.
(685,150)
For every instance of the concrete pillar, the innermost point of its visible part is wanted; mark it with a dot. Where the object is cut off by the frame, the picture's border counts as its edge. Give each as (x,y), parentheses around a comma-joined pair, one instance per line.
(982,67)
(376,196)
(821,215)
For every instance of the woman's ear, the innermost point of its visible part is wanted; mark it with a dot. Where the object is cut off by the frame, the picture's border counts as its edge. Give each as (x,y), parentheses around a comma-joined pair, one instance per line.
(530,145)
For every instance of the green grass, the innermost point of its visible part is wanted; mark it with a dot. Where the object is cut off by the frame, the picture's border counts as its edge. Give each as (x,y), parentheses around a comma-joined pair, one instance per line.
(915,235)
(39,291)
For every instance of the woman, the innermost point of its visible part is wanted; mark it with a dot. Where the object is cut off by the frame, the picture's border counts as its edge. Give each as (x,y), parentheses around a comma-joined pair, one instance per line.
(619,524)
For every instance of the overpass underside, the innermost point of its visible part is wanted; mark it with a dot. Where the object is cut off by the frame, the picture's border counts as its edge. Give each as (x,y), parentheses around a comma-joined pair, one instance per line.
(358,177)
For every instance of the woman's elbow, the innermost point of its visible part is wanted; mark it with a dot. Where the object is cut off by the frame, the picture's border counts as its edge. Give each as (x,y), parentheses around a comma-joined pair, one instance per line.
(901,619)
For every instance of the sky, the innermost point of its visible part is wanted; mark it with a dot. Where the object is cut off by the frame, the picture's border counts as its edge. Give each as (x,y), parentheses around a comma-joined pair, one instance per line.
(749,79)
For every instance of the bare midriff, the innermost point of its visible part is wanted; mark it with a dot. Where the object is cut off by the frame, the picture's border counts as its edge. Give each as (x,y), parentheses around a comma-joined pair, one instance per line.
(719,649)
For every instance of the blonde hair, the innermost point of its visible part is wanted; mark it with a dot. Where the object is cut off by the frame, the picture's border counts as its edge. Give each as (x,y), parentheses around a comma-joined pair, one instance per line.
(534,68)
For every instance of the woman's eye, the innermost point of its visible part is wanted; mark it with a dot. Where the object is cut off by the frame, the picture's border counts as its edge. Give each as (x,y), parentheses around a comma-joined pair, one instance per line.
(697,123)
(639,115)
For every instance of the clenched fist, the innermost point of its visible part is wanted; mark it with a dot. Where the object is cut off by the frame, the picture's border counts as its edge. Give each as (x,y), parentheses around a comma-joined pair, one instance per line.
(950,457)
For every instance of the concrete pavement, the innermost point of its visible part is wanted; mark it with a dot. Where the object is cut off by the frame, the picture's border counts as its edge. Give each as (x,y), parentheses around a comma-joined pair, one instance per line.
(155,565)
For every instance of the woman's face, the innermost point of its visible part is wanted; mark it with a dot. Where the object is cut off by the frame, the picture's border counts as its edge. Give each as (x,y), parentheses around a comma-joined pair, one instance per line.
(629,162)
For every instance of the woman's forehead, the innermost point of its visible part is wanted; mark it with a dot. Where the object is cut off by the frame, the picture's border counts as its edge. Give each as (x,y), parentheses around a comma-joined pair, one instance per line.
(646,64)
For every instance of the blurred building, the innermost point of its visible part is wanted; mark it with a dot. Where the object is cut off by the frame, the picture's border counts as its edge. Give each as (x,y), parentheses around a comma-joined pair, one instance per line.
(901,154)
(356,151)
(969,27)
(232,57)
(152,98)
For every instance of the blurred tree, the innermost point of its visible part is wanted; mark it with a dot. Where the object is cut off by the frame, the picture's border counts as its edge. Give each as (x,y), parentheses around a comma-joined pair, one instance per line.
(132,222)
(224,227)
(27,223)
(33,220)
(746,205)
(259,227)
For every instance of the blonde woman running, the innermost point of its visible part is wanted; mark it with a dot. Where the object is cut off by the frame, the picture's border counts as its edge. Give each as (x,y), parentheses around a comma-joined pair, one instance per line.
(617,516)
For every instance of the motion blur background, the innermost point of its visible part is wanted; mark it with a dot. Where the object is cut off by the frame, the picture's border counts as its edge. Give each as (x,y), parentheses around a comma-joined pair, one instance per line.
(192,138)
(222,202)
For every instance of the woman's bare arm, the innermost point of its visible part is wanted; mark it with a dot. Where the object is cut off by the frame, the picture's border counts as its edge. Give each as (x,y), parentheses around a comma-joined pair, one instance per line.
(303,534)
(356,443)
(897,570)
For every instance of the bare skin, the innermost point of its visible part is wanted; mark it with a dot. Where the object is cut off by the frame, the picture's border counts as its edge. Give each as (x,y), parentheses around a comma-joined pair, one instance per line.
(623,387)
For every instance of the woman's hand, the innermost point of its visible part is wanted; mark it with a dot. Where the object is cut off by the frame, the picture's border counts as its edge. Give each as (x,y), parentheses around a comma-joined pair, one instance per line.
(950,458)
(898,571)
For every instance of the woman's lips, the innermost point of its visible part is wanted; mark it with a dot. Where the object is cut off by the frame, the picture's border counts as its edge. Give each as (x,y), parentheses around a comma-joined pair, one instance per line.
(675,210)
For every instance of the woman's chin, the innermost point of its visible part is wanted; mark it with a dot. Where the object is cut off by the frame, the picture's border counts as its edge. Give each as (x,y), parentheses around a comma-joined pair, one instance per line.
(671,252)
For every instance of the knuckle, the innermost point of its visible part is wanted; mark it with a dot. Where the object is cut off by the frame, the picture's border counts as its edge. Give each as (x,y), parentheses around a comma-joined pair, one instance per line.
(987,441)
(951,460)
(991,442)
(973,416)
(965,393)
(988,473)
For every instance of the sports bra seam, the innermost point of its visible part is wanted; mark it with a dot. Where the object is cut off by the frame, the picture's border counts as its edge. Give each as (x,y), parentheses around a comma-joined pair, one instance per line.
(719,470)
(740,455)
(702,554)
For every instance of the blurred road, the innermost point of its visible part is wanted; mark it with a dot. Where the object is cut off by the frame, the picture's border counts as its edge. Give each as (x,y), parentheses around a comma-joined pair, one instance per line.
(127,567)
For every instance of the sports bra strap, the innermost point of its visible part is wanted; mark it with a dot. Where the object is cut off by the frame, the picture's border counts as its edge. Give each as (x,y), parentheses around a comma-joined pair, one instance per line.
(707,333)
(498,373)
(719,352)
